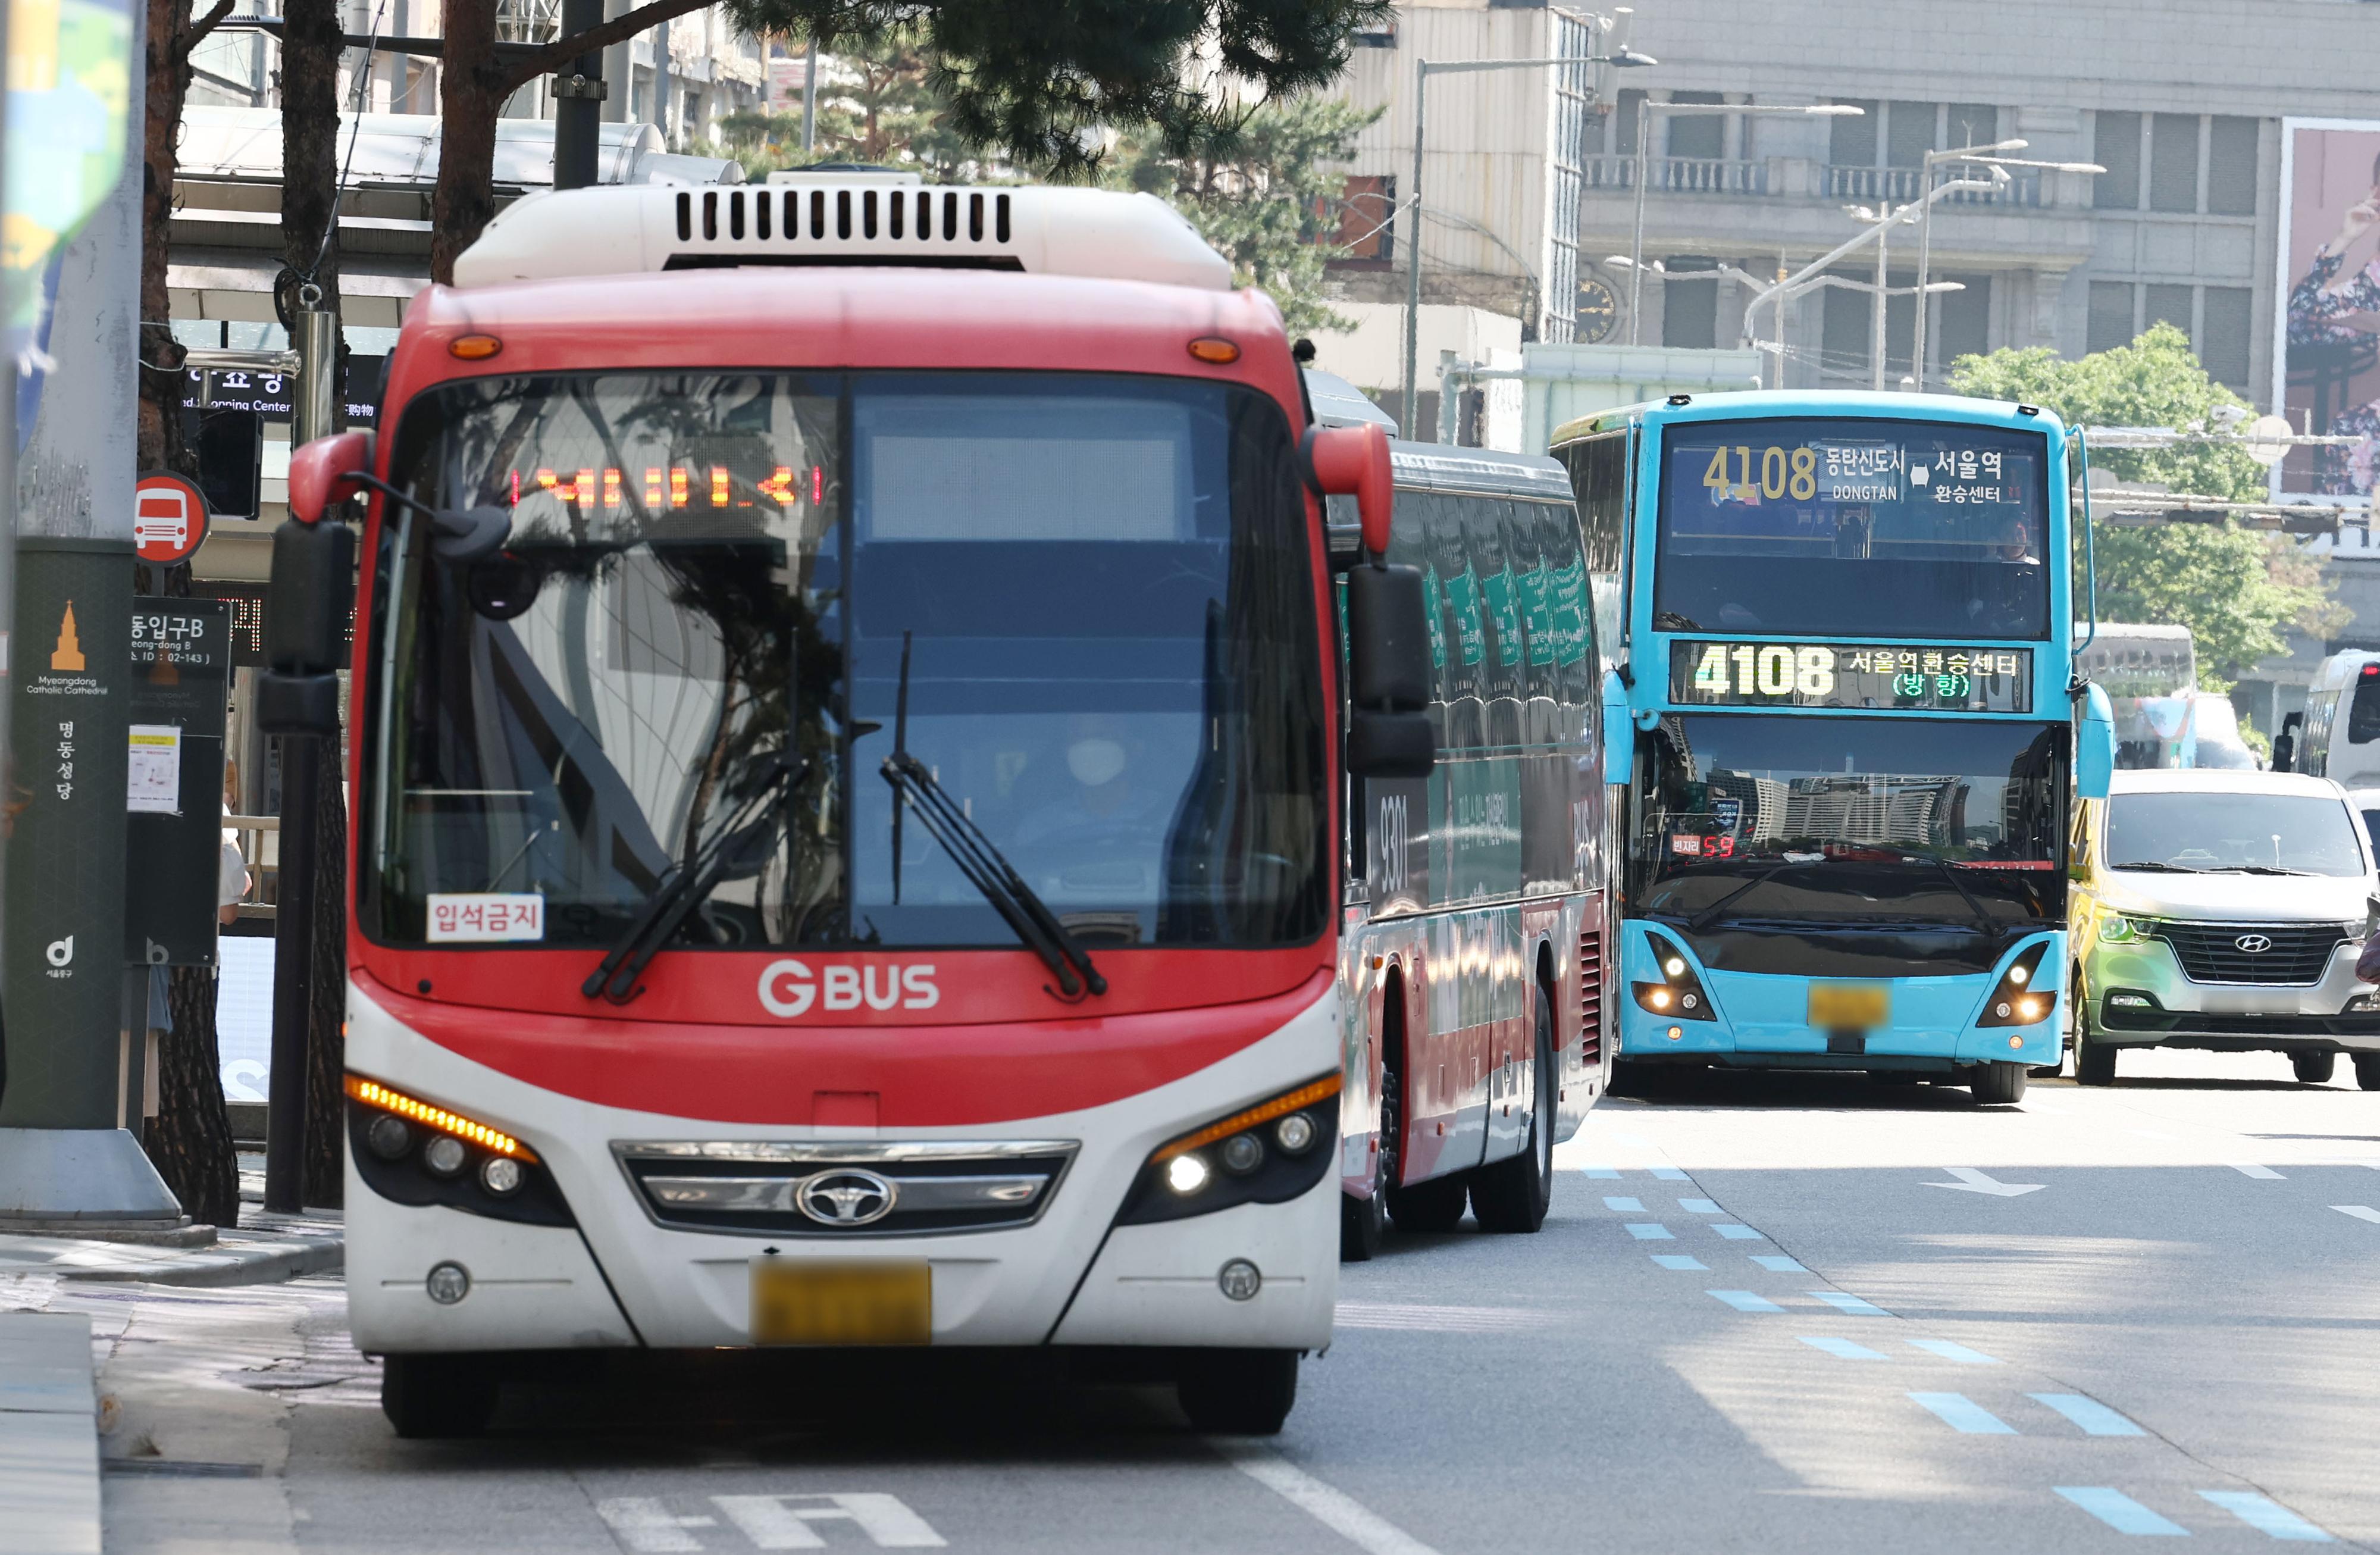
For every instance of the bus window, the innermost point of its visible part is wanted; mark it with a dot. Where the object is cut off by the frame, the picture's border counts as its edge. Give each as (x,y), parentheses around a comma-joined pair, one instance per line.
(1567,604)
(1460,607)
(1409,547)
(1598,479)
(2364,713)
(1505,682)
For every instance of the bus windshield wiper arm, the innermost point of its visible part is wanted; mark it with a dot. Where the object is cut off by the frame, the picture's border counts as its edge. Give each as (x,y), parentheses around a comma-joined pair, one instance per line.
(685,883)
(990,872)
(1709,915)
(1986,924)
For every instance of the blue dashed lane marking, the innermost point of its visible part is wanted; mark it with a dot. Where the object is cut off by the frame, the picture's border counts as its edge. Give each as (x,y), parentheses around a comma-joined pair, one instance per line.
(1698,1206)
(1950,1350)
(1736,1232)
(2095,1418)
(1600,1171)
(1745,1301)
(1851,1304)
(1649,1231)
(1963,1413)
(1777,1263)
(2266,1516)
(1670,1174)
(1633,1206)
(2119,1512)
(1678,1261)
(1844,1349)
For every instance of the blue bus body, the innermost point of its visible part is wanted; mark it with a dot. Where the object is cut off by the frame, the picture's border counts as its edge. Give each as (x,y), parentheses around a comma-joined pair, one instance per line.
(1838,659)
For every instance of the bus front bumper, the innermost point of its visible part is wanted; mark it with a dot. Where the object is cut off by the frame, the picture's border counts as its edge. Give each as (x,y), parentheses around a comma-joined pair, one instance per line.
(621,1276)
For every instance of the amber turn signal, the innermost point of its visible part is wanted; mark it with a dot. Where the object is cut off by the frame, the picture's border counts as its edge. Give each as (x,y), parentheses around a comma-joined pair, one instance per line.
(1215,348)
(474,348)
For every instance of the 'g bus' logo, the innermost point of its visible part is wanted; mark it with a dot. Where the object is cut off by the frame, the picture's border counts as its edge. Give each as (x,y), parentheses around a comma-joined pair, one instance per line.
(788,992)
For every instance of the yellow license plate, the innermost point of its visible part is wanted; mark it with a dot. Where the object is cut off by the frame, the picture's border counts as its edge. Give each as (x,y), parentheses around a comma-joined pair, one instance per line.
(881,1302)
(1834,1006)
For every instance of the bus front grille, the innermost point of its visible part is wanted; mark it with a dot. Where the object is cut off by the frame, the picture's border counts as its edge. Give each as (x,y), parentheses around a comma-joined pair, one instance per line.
(844,1188)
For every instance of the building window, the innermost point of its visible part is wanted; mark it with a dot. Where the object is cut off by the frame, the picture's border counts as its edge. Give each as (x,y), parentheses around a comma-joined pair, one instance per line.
(1364,228)
(1689,307)
(1852,142)
(1697,135)
(2111,316)
(2116,146)
(1970,124)
(2167,305)
(2173,162)
(2223,338)
(2231,166)
(1624,121)
(1907,133)
(1961,319)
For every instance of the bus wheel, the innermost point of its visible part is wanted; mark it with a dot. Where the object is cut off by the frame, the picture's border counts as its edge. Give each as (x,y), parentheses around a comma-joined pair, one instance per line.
(1514,1195)
(1436,1205)
(1238,1392)
(1998,1084)
(437,1395)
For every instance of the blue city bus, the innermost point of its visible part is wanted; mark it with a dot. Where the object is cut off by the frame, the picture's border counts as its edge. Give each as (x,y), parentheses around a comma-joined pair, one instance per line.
(1840,686)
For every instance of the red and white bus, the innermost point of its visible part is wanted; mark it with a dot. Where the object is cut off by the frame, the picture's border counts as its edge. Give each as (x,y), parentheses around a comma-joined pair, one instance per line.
(848,760)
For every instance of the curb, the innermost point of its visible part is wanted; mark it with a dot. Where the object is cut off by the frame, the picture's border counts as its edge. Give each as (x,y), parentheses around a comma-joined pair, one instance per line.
(262,1265)
(49,1436)
(266,1254)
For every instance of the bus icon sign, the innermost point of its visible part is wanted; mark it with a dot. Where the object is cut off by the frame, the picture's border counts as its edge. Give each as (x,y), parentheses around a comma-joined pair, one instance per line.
(169,519)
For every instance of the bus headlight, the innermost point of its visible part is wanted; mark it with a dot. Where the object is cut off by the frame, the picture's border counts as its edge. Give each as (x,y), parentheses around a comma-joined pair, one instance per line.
(2018,998)
(1180,1177)
(460,1162)
(1679,995)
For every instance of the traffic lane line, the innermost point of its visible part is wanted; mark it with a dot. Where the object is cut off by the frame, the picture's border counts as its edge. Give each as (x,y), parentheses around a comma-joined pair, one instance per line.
(1744,1301)
(1625,1206)
(1844,1301)
(1779,1263)
(2122,1512)
(1949,1350)
(2095,1418)
(1649,1231)
(1844,1349)
(1327,1504)
(1963,1415)
(2264,1173)
(1680,1261)
(1737,1232)
(2360,1211)
(2266,1516)
(1698,1207)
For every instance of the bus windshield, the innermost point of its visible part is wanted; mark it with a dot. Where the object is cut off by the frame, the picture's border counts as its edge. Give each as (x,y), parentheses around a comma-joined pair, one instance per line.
(1846,527)
(1787,816)
(1083,604)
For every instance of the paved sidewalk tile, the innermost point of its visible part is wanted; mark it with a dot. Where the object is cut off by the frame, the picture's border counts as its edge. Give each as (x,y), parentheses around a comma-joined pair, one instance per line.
(49,1438)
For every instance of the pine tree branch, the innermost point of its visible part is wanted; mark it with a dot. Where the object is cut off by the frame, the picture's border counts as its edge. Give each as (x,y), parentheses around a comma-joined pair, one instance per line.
(196,34)
(521,71)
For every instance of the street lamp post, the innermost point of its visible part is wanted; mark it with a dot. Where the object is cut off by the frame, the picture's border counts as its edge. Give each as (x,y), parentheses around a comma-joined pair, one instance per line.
(1783,291)
(1424,70)
(1644,138)
(1988,156)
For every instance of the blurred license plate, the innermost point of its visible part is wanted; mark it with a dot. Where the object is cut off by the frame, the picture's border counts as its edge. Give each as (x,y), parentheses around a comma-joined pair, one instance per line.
(1834,1006)
(885,1302)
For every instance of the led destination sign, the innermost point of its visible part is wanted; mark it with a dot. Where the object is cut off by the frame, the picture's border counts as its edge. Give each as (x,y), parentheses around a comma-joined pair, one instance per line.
(1929,677)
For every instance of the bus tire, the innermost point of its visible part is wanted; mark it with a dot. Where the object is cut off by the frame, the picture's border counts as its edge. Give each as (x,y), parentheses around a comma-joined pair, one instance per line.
(1513,1194)
(430,1396)
(1238,1392)
(1434,1206)
(1996,1085)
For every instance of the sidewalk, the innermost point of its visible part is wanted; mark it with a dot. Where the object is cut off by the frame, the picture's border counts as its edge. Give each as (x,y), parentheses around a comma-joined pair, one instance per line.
(265,1248)
(49,1441)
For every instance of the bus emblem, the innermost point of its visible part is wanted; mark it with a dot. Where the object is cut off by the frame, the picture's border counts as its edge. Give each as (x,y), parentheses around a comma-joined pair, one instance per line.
(788,991)
(846,1197)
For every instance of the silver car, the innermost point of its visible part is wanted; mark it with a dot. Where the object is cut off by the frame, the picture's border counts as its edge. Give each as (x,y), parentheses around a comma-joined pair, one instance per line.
(2223,910)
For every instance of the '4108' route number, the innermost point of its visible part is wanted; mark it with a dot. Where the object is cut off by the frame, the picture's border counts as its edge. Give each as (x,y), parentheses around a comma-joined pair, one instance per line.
(1768,672)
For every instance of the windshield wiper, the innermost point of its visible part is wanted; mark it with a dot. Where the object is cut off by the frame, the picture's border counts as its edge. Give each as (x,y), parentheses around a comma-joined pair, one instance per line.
(1709,915)
(2160,869)
(748,830)
(986,867)
(2253,870)
(1985,924)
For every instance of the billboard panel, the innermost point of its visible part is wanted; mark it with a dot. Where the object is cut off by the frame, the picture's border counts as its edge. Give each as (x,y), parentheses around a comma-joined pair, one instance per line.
(2326,333)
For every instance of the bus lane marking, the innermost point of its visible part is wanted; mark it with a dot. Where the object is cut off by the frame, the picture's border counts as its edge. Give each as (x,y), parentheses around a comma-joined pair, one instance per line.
(1680,1261)
(2266,1516)
(1601,1171)
(1649,1231)
(1744,1301)
(2119,1512)
(1963,1415)
(2095,1418)
(646,1525)
(1698,1206)
(1327,1504)
(1779,1263)
(1737,1232)
(1844,1349)
(1853,1303)
(2262,1173)
(1950,1350)
(1671,1174)
(1625,1206)
(2360,1211)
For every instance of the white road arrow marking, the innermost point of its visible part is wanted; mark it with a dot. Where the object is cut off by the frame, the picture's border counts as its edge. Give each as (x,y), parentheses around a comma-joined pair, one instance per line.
(1972,1181)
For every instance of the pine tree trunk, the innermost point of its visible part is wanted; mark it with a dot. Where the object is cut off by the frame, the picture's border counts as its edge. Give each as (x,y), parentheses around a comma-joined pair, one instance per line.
(190,1139)
(311,145)
(470,93)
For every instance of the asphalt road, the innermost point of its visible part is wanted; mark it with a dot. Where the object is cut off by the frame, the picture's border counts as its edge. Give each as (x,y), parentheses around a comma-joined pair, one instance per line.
(1774,1314)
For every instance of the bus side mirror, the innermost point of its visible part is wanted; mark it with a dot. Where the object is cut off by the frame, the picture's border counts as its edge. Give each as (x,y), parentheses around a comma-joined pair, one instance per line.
(1387,674)
(1354,461)
(2285,744)
(1619,730)
(320,466)
(2095,746)
(308,604)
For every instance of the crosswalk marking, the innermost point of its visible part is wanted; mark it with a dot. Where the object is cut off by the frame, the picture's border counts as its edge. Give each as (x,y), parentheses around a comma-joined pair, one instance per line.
(2095,1418)
(1849,1302)
(1678,1261)
(1745,1301)
(2119,1512)
(1649,1231)
(1844,1349)
(2266,1516)
(1951,1351)
(1963,1413)
(1777,1263)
